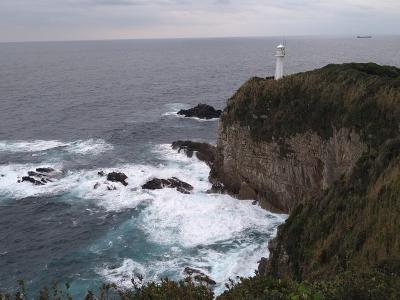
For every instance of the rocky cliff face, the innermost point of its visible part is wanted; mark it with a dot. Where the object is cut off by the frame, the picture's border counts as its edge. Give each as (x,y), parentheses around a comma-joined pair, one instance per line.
(353,226)
(324,146)
(255,169)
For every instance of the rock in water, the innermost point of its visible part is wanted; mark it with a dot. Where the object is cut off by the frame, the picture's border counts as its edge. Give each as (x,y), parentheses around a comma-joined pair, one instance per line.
(154,184)
(158,184)
(45,170)
(111,188)
(204,152)
(201,111)
(39,177)
(32,180)
(117,177)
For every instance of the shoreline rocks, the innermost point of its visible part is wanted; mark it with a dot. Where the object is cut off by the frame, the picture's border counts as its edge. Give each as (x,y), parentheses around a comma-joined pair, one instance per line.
(158,184)
(40,176)
(204,152)
(201,111)
(116,177)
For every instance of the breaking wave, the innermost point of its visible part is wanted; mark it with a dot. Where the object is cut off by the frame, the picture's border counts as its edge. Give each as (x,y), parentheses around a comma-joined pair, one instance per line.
(85,147)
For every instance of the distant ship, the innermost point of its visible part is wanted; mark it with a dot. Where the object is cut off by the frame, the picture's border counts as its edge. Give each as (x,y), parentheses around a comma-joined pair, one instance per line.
(364,36)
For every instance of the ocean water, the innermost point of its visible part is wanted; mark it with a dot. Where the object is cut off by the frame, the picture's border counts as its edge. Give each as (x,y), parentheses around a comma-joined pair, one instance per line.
(82,107)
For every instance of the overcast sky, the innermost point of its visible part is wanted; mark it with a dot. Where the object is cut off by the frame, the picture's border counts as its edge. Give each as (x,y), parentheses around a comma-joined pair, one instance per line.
(27,20)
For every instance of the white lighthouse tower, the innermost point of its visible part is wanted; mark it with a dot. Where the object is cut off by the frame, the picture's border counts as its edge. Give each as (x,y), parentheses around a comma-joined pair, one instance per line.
(280,54)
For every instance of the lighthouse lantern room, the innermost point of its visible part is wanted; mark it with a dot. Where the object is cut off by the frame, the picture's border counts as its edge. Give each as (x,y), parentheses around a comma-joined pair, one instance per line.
(280,54)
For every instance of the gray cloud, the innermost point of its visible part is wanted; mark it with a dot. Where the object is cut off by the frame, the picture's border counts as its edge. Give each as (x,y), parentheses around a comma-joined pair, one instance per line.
(98,19)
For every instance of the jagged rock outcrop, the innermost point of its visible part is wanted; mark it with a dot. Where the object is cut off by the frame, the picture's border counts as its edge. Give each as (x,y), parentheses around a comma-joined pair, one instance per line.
(201,111)
(40,176)
(203,151)
(175,183)
(117,177)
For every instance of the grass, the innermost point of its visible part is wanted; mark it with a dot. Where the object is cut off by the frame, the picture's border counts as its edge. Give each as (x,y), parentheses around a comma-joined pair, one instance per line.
(365,97)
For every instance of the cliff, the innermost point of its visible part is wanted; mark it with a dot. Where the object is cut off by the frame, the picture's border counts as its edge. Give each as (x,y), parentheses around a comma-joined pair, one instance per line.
(355,225)
(324,146)
(281,142)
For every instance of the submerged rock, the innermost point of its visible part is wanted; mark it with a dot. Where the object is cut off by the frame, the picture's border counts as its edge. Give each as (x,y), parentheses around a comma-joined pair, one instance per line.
(201,111)
(204,152)
(158,184)
(117,177)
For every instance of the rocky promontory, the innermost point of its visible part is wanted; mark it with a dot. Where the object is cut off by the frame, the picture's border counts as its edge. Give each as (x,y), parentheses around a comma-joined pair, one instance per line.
(288,140)
(323,146)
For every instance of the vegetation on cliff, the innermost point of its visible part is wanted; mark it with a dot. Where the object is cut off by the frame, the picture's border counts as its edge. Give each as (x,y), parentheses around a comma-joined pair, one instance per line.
(379,284)
(361,96)
(163,290)
(346,286)
(353,227)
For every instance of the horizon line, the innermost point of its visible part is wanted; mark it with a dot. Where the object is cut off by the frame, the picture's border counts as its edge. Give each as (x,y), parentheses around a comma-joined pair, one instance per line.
(191,38)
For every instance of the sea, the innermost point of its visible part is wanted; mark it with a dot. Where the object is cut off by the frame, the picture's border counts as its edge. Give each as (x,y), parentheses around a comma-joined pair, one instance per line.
(90,106)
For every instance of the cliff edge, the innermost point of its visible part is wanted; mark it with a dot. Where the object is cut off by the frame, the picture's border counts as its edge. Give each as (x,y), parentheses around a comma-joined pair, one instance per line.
(324,146)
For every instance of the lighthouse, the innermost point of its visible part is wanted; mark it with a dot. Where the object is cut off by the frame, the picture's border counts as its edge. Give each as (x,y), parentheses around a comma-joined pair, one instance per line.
(280,54)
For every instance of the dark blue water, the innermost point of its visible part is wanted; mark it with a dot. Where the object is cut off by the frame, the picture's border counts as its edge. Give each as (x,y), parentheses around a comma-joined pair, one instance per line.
(82,107)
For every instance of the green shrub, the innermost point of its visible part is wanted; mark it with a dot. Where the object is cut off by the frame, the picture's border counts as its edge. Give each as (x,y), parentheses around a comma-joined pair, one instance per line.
(365,97)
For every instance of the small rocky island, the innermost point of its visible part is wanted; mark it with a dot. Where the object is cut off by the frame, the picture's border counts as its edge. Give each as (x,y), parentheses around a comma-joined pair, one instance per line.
(201,111)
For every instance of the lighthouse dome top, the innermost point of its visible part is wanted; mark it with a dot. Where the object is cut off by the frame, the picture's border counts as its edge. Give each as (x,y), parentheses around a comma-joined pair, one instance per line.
(280,50)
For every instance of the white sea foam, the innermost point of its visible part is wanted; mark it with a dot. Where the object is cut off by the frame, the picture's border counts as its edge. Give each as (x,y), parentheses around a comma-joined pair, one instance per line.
(239,261)
(175,114)
(218,226)
(211,232)
(29,146)
(173,108)
(84,147)
(199,219)
(123,275)
(10,188)
(178,165)
(91,146)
